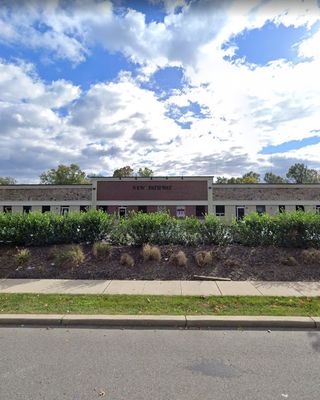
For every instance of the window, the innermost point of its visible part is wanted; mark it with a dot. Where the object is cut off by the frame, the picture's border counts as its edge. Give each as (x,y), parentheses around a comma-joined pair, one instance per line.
(261,209)
(142,209)
(162,209)
(282,209)
(122,212)
(103,208)
(220,211)
(181,212)
(45,209)
(7,209)
(27,209)
(64,210)
(84,208)
(200,211)
(240,212)
(299,208)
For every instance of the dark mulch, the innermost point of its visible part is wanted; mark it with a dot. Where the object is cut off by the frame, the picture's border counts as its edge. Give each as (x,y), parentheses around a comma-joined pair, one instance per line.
(235,262)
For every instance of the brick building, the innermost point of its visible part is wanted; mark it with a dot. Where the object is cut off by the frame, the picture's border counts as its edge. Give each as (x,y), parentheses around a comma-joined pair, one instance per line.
(180,196)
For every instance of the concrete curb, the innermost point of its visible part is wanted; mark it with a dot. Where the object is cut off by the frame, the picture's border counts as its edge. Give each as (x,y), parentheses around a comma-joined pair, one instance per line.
(159,321)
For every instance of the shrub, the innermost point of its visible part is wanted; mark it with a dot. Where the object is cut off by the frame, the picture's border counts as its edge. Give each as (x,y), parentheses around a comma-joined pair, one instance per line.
(311,256)
(291,261)
(151,253)
(127,260)
(101,250)
(72,256)
(178,259)
(254,230)
(23,256)
(156,228)
(203,258)
(213,231)
(48,228)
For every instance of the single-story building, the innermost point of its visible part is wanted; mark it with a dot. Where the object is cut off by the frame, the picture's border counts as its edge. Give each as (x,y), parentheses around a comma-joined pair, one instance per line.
(180,196)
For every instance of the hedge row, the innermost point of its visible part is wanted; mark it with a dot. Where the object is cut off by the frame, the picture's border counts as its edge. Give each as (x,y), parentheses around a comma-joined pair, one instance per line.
(294,229)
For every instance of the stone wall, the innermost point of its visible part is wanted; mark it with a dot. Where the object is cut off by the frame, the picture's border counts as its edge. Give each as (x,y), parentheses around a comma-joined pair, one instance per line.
(260,193)
(46,193)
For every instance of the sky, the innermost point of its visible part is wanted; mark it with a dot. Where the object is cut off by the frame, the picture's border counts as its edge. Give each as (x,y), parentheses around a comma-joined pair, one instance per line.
(184,87)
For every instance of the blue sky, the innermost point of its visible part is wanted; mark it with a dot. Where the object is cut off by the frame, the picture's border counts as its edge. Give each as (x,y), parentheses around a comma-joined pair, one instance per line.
(182,87)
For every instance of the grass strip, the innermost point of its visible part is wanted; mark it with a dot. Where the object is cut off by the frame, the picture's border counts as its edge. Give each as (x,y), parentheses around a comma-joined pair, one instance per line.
(165,305)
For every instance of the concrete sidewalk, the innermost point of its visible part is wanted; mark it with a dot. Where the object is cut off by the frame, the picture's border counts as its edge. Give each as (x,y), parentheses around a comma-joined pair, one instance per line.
(167,288)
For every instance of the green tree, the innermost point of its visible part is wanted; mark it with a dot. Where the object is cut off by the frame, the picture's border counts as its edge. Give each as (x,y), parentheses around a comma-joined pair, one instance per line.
(123,172)
(145,172)
(249,177)
(64,175)
(300,173)
(269,177)
(7,180)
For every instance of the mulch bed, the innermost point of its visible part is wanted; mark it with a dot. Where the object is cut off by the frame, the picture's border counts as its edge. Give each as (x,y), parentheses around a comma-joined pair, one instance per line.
(235,262)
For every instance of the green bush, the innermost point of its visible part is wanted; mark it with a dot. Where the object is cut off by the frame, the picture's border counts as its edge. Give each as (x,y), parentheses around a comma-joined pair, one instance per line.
(213,231)
(254,230)
(290,229)
(157,228)
(48,228)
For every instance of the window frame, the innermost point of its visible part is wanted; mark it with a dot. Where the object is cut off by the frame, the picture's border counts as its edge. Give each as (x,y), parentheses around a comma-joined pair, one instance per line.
(220,214)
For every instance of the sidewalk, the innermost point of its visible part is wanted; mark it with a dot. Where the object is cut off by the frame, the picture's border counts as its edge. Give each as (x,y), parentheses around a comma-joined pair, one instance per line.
(167,288)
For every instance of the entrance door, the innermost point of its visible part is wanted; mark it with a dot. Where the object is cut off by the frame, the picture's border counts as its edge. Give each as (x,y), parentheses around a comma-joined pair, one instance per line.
(239,212)
(122,212)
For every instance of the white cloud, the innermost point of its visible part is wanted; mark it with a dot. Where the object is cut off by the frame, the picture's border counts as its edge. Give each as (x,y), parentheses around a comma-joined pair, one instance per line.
(119,122)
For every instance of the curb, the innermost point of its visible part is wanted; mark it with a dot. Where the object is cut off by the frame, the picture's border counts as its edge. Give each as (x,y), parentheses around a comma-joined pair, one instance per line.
(159,321)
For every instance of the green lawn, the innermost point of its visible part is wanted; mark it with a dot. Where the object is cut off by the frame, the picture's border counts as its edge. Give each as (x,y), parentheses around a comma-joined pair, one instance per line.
(170,305)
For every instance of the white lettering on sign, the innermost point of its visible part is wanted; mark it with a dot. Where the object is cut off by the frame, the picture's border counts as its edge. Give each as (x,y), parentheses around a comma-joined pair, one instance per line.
(151,187)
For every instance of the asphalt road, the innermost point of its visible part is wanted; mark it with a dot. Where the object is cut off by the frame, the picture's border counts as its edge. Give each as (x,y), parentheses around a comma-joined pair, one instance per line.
(85,364)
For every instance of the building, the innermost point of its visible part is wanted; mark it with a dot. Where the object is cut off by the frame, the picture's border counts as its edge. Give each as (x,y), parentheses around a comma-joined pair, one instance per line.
(180,196)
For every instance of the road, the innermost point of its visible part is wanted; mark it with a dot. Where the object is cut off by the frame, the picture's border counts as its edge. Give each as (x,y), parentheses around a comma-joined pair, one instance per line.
(114,364)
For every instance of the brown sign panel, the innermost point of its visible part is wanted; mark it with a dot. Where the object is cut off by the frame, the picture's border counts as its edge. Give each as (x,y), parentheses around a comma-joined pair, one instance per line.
(152,190)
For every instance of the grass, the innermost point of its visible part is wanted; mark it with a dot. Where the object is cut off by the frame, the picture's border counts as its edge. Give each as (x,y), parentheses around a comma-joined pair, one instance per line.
(170,305)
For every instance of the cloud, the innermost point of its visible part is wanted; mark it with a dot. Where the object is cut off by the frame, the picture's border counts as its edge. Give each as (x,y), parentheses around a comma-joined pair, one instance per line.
(243,108)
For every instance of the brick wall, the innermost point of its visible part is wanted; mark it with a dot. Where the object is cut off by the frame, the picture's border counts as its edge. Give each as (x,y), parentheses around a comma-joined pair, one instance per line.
(223,193)
(38,193)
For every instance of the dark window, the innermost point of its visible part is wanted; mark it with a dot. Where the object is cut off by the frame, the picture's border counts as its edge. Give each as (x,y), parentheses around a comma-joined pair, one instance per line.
(142,209)
(200,211)
(45,209)
(122,212)
(240,212)
(220,211)
(299,208)
(282,209)
(261,209)
(27,209)
(64,210)
(84,208)
(103,208)
(7,209)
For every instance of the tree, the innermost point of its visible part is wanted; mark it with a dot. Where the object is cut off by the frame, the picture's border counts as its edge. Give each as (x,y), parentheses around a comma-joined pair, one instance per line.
(300,173)
(7,180)
(145,172)
(249,177)
(269,177)
(123,172)
(64,175)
